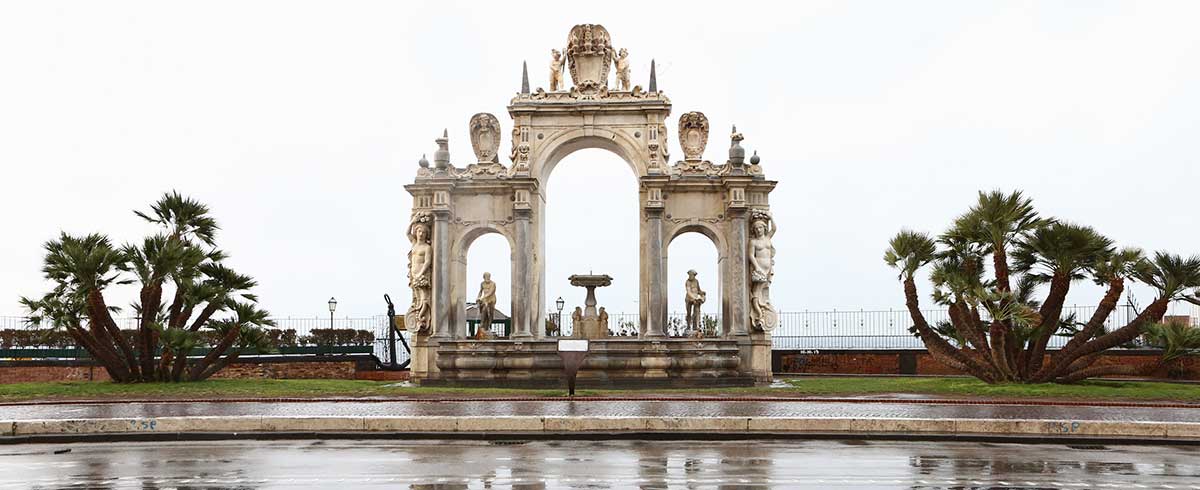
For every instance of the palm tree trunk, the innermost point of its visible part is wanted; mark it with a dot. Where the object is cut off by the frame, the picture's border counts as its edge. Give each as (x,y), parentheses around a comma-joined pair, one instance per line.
(221,364)
(1125,369)
(85,340)
(1060,361)
(937,346)
(151,297)
(98,312)
(999,343)
(180,364)
(1000,263)
(205,314)
(216,352)
(1051,313)
(1153,313)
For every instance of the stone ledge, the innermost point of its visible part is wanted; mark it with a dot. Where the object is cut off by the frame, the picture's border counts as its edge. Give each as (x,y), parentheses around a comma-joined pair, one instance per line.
(534,425)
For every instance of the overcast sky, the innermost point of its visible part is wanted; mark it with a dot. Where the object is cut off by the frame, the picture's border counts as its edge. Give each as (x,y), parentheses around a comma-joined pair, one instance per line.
(298,123)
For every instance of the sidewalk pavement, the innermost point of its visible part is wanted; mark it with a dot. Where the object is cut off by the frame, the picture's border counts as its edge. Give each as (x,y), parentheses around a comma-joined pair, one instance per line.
(700,417)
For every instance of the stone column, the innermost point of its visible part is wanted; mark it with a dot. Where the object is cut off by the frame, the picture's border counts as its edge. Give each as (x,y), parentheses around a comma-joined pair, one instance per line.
(736,273)
(441,318)
(521,313)
(653,261)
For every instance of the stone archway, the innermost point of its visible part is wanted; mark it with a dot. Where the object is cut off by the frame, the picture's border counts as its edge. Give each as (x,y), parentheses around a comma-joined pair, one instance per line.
(722,201)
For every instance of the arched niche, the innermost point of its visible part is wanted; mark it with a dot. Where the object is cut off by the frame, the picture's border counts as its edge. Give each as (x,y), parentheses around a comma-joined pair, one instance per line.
(461,291)
(715,237)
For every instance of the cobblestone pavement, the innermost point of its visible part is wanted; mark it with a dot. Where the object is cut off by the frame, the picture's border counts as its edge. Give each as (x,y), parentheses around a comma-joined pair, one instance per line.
(598,408)
(611,464)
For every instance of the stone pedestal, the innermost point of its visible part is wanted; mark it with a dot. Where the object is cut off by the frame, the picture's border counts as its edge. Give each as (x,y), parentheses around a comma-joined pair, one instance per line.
(610,363)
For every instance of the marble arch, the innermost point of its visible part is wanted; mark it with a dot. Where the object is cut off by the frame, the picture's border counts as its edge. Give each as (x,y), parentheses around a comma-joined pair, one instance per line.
(723,201)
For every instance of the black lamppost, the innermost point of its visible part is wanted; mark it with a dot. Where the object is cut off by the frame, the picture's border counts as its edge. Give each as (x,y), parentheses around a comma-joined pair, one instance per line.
(332,306)
(558,319)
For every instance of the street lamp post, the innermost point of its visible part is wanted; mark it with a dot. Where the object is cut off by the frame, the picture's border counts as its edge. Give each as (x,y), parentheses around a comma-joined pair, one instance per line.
(558,319)
(332,306)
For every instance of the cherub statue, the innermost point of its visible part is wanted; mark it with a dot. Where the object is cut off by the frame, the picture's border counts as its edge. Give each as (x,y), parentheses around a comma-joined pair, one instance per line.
(556,70)
(621,59)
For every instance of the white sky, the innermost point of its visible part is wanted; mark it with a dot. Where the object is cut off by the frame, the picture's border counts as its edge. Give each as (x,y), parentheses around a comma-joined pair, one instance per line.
(298,123)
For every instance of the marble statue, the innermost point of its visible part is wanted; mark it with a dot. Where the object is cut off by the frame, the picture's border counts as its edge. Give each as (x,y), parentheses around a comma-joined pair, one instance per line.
(622,61)
(762,269)
(694,297)
(556,70)
(576,320)
(603,320)
(486,302)
(420,266)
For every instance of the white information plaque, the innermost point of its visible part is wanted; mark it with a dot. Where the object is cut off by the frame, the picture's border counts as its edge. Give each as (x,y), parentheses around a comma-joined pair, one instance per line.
(572,345)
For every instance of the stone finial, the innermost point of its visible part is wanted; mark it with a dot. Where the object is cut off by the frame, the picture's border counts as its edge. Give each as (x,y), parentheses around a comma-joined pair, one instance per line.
(423,163)
(653,78)
(524,78)
(737,154)
(441,157)
(754,158)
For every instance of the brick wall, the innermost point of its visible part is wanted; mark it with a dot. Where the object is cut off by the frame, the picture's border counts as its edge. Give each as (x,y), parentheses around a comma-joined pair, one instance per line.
(47,371)
(920,362)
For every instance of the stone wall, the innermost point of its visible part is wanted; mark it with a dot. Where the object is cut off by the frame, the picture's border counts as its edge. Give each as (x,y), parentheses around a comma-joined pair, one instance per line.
(340,367)
(921,363)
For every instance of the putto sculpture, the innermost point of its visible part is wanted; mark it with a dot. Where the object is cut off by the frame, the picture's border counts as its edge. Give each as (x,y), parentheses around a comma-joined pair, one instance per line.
(762,271)
(622,61)
(556,70)
(420,266)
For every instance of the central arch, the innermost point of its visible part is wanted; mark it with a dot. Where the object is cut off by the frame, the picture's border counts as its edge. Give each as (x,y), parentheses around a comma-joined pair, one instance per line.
(596,233)
(564,143)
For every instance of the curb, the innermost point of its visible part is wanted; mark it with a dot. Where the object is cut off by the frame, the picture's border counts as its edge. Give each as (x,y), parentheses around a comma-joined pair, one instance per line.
(773,399)
(209,427)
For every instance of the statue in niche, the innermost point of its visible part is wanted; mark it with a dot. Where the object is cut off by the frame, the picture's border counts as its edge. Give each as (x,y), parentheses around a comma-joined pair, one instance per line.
(694,297)
(420,265)
(556,70)
(604,321)
(486,303)
(762,269)
(622,61)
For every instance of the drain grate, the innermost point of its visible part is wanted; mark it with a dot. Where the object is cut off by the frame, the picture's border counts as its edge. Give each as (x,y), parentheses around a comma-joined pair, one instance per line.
(507,443)
(1087,447)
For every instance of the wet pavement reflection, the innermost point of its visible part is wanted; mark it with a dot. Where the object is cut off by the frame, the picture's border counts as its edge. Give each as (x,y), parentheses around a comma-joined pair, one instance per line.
(594,464)
(783,408)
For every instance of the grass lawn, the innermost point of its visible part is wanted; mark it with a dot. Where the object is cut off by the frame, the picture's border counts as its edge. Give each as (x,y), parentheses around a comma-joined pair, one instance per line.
(810,386)
(971,387)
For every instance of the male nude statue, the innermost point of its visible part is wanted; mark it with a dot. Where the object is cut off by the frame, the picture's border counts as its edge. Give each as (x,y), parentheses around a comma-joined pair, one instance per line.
(693,299)
(486,304)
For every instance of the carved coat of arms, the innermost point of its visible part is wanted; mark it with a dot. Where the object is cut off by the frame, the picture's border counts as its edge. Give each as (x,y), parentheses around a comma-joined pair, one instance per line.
(485,137)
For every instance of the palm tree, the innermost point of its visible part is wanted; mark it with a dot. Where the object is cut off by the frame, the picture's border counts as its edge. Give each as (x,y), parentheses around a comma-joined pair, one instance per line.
(1011,345)
(181,262)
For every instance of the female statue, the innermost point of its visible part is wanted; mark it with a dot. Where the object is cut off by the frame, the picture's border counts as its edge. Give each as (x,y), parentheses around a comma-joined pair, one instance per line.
(420,265)
(762,271)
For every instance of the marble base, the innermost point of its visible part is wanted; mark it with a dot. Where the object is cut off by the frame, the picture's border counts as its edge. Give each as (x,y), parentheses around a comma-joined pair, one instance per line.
(610,363)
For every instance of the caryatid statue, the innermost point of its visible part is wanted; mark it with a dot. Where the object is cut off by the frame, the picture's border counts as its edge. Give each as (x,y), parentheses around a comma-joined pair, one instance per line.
(622,61)
(420,266)
(486,302)
(694,297)
(556,70)
(762,270)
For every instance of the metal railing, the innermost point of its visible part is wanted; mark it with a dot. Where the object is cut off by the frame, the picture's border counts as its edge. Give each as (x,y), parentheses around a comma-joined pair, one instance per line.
(828,330)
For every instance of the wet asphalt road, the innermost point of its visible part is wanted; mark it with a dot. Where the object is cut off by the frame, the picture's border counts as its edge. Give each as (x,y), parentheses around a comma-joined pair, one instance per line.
(600,408)
(615,464)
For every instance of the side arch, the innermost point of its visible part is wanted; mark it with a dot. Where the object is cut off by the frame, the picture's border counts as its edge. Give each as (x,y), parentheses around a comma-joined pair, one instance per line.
(460,286)
(725,268)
